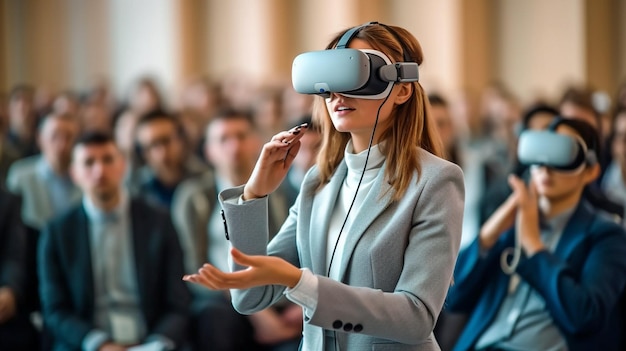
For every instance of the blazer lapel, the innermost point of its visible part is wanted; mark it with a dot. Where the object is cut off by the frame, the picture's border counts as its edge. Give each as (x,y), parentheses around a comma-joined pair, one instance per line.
(139,233)
(323,206)
(574,231)
(83,247)
(376,204)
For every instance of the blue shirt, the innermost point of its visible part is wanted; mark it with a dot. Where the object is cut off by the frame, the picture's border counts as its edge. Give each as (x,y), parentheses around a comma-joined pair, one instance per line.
(523,322)
(117,315)
(61,188)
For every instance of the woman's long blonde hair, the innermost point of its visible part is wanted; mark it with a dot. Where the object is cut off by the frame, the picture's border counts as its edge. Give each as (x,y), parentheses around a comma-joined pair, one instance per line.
(410,123)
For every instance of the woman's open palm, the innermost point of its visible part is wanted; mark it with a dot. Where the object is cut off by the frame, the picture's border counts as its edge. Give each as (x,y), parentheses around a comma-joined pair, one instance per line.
(262,270)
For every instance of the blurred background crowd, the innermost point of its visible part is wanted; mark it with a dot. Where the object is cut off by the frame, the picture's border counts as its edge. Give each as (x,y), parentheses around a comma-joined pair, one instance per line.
(188,101)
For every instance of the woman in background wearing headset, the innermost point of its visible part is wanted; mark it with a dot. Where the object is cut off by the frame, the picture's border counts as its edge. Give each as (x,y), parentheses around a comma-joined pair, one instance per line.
(547,270)
(371,269)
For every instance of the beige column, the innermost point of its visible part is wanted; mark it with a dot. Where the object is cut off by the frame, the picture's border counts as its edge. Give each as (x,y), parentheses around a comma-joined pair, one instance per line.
(602,44)
(34,42)
(621,42)
(237,32)
(435,24)
(193,39)
(279,44)
(477,44)
(4,68)
(263,37)
(47,43)
(541,46)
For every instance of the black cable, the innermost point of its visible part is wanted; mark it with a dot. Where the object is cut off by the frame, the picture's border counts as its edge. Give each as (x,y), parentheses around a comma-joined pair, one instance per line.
(369,148)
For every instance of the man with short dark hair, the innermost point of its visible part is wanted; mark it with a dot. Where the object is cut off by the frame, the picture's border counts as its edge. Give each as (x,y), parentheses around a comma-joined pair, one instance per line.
(110,269)
(160,143)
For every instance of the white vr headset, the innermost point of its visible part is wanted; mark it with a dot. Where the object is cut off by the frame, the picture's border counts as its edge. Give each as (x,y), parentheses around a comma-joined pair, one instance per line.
(364,74)
(550,149)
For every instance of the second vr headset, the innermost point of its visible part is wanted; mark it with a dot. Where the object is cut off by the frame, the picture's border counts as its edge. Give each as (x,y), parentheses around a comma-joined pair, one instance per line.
(550,149)
(364,73)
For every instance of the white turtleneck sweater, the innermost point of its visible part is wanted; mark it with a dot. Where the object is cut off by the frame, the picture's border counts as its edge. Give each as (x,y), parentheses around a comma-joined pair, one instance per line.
(305,293)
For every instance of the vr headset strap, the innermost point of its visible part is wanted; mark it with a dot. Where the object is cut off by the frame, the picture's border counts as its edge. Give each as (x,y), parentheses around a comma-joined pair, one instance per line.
(351,33)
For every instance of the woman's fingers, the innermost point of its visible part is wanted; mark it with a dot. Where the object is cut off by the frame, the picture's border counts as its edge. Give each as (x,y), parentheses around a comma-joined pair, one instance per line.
(291,153)
(211,280)
(289,136)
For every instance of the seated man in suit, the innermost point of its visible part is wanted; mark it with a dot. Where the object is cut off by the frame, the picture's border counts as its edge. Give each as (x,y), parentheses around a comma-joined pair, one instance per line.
(43,181)
(16,330)
(161,143)
(567,272)
(110,269)
(232,146)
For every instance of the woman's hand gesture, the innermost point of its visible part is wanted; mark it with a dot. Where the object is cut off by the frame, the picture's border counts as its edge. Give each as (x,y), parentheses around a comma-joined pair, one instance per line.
(274,162)
(262,270)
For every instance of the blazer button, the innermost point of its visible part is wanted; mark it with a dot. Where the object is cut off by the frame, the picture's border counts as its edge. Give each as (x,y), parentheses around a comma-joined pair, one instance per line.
(347,327)
(358,328)
(337,324)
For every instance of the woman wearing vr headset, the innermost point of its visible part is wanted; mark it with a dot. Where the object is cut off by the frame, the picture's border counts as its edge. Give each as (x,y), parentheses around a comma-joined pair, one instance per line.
(369,247)
(560,288)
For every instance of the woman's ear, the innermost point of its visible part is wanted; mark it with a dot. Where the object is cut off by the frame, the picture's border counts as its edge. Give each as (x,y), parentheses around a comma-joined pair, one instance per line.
(404,93)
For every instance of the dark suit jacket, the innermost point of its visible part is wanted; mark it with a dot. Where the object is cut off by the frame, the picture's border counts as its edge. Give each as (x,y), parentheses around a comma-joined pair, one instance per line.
(12,246)
(581,282)
(66,279)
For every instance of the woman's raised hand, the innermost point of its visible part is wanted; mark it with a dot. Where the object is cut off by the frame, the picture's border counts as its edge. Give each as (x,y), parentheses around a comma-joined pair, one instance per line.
(262,270)
(274,162)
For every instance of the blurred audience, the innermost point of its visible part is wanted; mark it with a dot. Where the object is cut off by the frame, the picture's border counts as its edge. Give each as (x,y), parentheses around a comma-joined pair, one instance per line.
(267,112)
(238,91)
(620,96)
(110,269)
(613,183)
(501,117)
(160,142)
(43,180)
(17,333)
(445,126)
(43,101)
(22,121)
(232,145)
(295,105)
(8,155)
(144,97)
(95,117)
(200,100)
(124,135)
(66,103)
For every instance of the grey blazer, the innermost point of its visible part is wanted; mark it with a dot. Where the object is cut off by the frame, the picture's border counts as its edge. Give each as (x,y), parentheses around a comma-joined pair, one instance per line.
(397,262)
